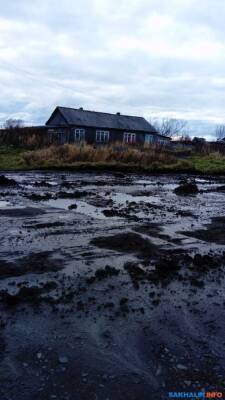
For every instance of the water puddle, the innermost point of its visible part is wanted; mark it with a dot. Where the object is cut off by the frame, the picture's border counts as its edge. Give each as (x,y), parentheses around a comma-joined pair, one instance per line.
(82,207)
(122,198)
(4,204)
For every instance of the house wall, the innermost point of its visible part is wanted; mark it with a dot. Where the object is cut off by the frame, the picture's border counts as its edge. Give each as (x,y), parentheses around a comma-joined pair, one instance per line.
(114,135)
(56,119)
(59,135)
(60,132)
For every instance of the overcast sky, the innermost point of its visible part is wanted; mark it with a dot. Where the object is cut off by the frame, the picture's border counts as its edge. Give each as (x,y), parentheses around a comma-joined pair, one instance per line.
(155,58)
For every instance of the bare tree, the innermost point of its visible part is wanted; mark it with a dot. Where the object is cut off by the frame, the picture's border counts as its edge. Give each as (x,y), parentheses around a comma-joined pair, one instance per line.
(13,123)
(185,138)
(220,131)
(170,126)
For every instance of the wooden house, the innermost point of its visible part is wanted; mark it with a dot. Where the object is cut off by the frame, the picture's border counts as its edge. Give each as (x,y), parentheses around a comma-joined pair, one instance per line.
(70,125)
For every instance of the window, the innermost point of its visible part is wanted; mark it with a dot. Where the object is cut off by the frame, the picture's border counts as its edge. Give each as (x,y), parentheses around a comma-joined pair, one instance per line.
(60,135)
(57,135)
(160,140)
(79,135)
(102,136)
(129,137)
(149,139)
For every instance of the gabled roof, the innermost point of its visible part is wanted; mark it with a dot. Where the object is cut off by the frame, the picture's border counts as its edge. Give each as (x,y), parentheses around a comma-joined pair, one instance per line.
(81,117)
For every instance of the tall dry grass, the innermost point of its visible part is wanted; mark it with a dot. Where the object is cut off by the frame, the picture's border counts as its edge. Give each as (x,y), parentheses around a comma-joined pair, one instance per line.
(25,137)
(68,154)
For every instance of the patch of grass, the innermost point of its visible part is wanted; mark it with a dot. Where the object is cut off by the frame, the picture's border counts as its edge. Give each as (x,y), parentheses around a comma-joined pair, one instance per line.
(213,163)
(72,157)
(70,154)
(11,158)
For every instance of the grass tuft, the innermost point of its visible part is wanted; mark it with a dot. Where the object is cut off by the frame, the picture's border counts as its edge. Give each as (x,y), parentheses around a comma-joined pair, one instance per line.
(110,158)
(68,154)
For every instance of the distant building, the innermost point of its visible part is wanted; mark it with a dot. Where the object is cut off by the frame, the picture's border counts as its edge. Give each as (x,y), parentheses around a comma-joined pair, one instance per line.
(198,140)
(221,140)
(70,125)
(181,145)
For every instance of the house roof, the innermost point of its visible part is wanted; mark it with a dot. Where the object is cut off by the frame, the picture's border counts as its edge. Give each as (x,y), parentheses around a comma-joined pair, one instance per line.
(95,119)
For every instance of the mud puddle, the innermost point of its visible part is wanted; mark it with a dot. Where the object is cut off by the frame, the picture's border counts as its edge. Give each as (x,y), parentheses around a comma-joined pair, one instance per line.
(80,207)
(4,204)
(111,286)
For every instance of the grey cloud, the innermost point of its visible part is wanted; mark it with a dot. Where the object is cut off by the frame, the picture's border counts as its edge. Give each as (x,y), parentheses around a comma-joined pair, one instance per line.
(113,56)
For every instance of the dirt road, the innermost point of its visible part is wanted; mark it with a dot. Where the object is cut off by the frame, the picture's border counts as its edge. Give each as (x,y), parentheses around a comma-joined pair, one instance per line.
(111,286)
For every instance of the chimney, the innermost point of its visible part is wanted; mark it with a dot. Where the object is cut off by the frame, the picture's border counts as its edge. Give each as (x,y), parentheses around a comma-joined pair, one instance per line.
(118,113)
(81,108)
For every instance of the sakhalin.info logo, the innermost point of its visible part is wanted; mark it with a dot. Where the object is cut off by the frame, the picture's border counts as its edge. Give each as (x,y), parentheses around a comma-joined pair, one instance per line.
(196,395)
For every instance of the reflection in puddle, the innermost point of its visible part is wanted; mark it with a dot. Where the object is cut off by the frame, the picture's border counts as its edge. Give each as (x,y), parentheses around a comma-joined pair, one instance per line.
(82,207)
(122,198)
(4,204)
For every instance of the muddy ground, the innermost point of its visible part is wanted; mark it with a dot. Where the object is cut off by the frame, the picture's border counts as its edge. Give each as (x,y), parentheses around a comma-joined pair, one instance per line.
(111,286)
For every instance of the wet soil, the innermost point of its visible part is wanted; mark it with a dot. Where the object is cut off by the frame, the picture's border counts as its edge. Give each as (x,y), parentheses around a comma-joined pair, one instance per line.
(111,286)
(213,232)
(4,181)
(186,187)
(37,263)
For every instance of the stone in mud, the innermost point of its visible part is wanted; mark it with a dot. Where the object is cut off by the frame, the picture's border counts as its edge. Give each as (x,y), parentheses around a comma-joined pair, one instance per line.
(103,273)
(112,213)
(72,207)
(6,181)
(40,197)
(72,195)
(135,270)
(187,187)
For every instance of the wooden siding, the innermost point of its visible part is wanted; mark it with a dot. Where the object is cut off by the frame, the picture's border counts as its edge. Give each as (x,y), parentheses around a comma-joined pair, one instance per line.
(57,119)
(61,132)
(66,135)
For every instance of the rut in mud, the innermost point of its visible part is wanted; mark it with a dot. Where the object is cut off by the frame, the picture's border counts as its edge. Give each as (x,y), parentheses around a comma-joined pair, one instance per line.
(111,286)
